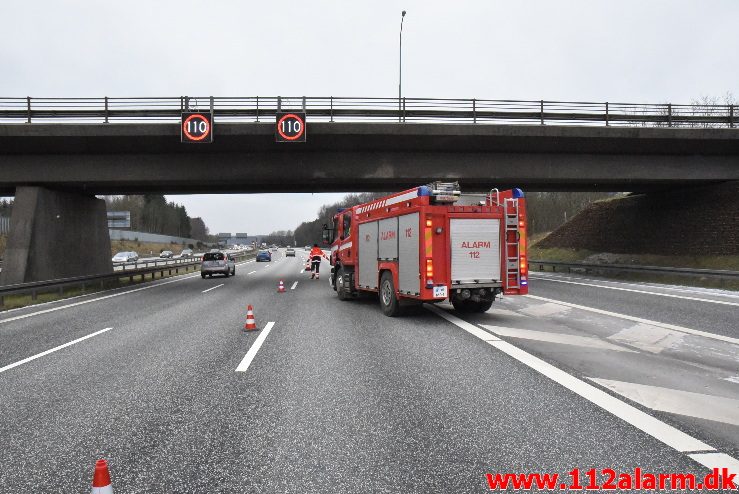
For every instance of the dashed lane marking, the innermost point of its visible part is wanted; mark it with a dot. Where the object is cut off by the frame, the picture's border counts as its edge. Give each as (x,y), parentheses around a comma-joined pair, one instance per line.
(696,332)
(246,361)
(213,288)
(294,285)
(251,272)
(52,350)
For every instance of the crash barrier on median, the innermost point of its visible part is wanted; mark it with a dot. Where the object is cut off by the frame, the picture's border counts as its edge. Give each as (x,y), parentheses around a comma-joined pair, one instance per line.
(102,281)
(626,268)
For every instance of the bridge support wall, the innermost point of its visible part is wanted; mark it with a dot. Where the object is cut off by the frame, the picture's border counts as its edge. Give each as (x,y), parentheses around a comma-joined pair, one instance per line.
(55,234)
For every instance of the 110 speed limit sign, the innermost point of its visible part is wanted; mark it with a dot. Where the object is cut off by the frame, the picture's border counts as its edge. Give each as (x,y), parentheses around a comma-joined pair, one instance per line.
(197,127)
(290,127)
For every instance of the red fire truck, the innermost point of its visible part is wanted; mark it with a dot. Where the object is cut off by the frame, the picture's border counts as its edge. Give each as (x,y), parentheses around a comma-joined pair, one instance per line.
(431,243)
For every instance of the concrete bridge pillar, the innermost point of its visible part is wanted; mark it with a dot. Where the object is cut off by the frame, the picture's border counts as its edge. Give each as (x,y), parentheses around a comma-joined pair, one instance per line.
(55,234)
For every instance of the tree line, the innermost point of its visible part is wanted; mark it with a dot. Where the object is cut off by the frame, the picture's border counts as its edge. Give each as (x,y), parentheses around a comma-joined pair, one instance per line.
(152,213)
(546,212)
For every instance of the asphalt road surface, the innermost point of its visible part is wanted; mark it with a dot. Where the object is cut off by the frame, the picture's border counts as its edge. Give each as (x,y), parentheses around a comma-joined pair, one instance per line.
(332,396)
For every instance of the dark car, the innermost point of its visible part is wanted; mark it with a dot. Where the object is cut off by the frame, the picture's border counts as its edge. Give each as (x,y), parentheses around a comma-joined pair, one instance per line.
(264,256)
(166,254)
(217,263)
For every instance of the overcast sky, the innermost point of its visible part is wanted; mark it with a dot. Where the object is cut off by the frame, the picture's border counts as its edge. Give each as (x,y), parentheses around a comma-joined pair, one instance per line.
(588,50)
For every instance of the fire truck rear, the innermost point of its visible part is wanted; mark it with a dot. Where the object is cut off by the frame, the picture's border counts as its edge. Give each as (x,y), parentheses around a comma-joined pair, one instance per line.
(431,243)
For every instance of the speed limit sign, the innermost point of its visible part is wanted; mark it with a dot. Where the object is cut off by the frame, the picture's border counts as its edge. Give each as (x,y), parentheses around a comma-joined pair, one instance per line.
(197,127)
(290,127)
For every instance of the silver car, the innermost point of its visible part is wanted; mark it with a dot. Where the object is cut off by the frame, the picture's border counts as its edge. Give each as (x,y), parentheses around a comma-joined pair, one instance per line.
(290,252)
(125,257)
(217,263)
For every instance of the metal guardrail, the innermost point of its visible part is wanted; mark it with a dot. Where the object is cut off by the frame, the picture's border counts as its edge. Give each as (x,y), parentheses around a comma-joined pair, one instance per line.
(569,266)
(348,109)
(37,287)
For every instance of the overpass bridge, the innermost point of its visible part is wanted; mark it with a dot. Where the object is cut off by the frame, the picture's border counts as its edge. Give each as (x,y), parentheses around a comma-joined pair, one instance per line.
(132,145)
(57,153)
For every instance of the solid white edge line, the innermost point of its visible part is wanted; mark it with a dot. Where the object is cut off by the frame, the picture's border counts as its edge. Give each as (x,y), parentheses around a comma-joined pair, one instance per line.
(633,290)
(83,302)
(661,431)
(96,299)
(246,361)
(38,355)
(681,329)
(212,288)
(547,275)
(294,285)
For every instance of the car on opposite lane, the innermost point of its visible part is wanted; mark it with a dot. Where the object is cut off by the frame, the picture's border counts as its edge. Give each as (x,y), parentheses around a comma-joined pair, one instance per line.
(125,256)
(264,256)
(186,253)
(290,252)
(217,263)
(166,254)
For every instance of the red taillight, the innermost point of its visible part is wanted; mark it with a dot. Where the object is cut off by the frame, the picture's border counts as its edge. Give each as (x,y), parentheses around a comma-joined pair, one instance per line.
(429,268)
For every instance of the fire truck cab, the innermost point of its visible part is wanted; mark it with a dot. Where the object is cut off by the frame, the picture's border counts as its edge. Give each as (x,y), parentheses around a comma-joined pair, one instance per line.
(429,244)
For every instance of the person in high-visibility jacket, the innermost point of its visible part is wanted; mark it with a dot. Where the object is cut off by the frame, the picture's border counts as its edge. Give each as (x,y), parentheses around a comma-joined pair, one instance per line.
(315,260)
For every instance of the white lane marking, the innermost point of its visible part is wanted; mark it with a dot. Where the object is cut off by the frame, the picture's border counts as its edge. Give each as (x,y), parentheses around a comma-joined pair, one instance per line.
(46,311)
(294,285)
(561,338)
(38,355)
(717,460)
(669,295)
(681,329)
(125,292)
(470,328)
(698,405)
(251,272)
(246,361)
(539,275)
(661,431)
(213,288)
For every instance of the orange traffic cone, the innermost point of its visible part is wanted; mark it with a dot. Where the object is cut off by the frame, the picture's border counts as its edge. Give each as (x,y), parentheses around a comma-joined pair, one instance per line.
(101,479)
(307,266)
(281,287)
(251,324)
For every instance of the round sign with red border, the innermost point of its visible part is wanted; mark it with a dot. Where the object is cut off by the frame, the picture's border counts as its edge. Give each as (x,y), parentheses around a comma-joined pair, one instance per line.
(197,127)
(290,127)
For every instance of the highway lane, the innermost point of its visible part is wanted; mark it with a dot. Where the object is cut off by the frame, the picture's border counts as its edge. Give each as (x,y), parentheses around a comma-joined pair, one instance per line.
(685,306)
(687,379)
(338,398)
(61,321)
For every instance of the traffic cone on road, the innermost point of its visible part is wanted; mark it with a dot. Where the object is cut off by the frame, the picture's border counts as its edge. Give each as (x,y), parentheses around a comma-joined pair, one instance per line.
(251,324)
(101,479)
(281,287)
(307,265)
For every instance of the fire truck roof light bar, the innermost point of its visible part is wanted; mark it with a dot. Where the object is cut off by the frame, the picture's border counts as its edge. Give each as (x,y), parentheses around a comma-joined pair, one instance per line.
(517,193)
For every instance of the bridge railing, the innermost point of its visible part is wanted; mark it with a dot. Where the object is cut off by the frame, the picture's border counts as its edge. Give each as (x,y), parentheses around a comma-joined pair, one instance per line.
(359,109)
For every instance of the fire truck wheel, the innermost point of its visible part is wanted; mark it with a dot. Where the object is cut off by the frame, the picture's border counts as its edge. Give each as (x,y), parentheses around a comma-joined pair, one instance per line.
(341,290)
(388,299)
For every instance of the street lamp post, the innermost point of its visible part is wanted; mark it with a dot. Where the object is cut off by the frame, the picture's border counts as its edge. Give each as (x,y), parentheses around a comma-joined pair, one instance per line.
(400,65)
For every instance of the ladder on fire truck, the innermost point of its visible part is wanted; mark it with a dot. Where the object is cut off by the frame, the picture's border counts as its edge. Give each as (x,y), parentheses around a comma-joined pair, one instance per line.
(512,243)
